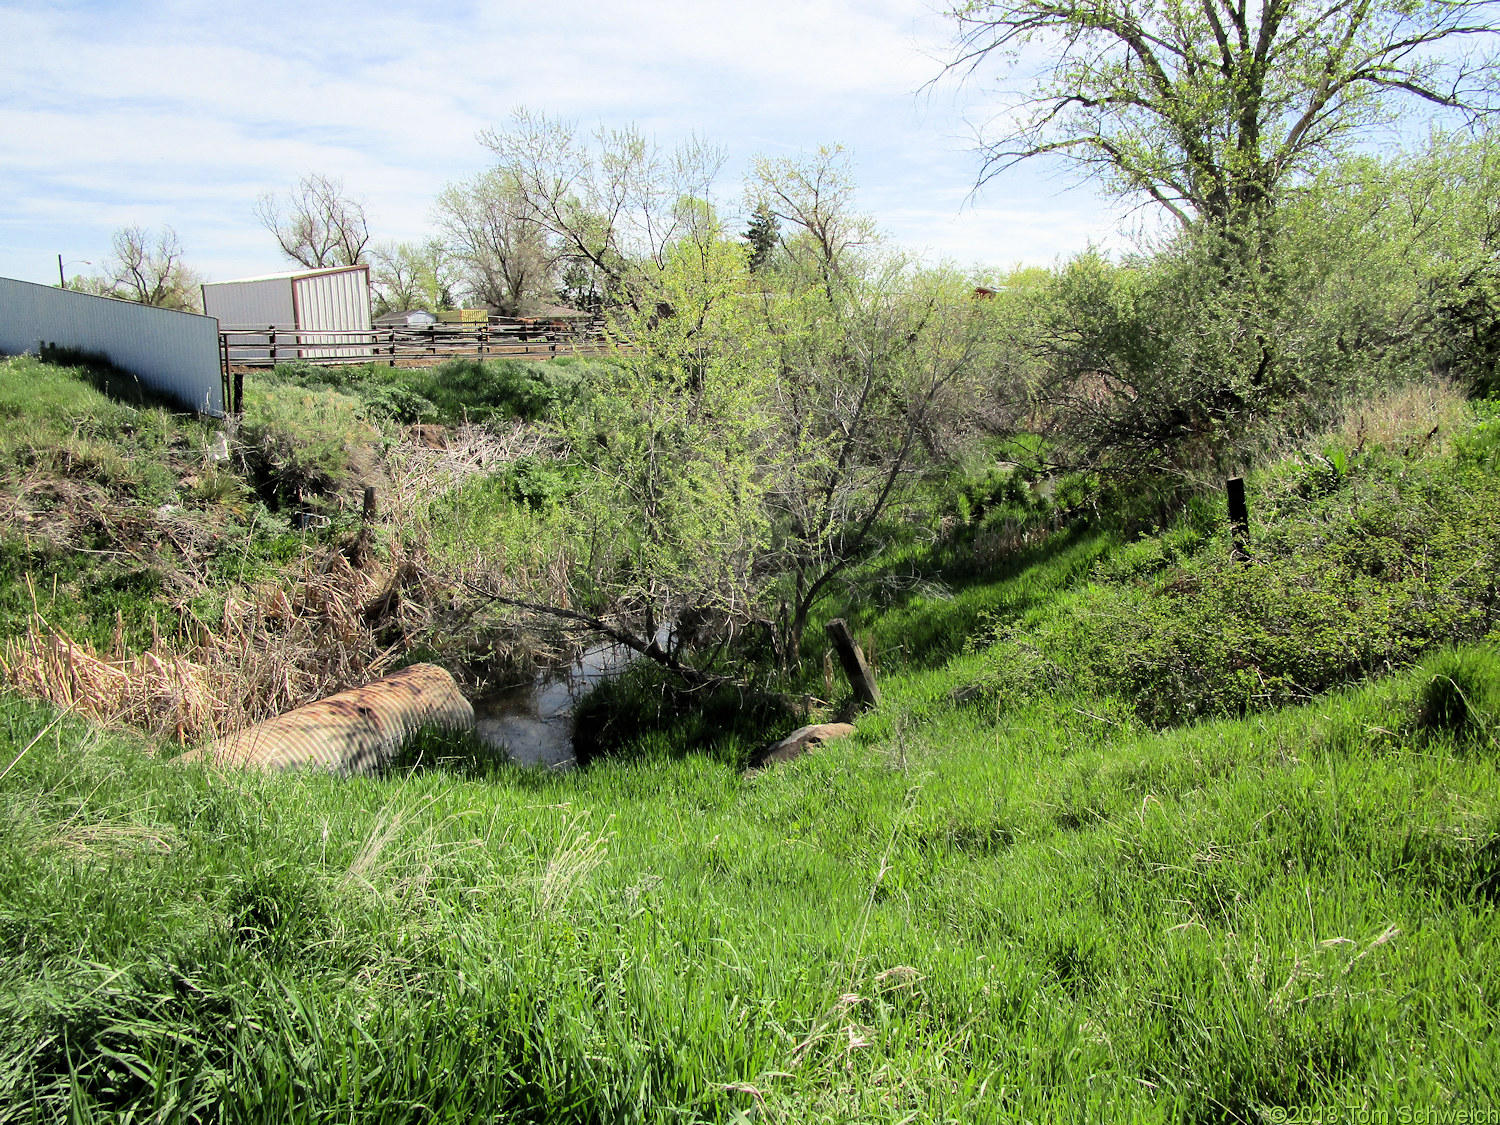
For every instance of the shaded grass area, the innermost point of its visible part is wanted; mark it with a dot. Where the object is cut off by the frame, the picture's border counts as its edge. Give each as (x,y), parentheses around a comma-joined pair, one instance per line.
(948,917)
(1359,566)
(933,621)
(454,391)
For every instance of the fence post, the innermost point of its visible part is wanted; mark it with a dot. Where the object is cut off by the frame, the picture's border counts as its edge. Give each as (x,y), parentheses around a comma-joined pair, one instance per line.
(861,679)
(1239,515)
(272,331)
(226,392)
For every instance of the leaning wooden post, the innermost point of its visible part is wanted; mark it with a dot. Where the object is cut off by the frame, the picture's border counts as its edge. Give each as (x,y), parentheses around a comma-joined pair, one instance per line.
(861,679)
(1239,515)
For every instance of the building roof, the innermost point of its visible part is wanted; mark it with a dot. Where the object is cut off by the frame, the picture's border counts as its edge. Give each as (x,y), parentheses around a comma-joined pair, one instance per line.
(288,275)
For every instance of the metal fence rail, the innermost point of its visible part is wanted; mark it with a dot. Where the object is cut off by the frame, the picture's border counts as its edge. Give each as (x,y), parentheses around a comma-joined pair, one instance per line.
(266,347)
(241,349)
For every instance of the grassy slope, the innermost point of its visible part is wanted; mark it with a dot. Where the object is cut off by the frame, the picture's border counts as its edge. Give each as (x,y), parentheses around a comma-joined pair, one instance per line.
(948,916)
(1011,908)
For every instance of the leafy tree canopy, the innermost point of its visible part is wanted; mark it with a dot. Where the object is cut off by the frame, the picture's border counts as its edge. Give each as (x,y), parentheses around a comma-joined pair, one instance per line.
(1208,106)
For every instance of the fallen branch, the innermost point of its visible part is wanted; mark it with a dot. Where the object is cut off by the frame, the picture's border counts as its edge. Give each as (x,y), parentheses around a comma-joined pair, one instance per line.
(651,650)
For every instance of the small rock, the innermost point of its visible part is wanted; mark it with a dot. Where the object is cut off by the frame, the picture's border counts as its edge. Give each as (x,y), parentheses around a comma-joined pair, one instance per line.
(797,743)
(218,448)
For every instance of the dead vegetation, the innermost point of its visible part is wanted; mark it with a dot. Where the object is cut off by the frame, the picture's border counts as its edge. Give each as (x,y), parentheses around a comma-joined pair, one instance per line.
(348,608)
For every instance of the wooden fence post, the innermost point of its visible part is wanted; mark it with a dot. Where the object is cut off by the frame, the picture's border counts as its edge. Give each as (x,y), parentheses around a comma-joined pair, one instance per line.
(1239,515)
(370,508)
(861,679)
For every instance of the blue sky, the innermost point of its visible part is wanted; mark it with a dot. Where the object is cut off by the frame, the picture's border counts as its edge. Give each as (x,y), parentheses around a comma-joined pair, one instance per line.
(183,113)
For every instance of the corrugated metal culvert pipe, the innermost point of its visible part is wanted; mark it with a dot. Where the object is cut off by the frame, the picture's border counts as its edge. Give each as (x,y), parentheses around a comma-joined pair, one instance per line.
(355,731)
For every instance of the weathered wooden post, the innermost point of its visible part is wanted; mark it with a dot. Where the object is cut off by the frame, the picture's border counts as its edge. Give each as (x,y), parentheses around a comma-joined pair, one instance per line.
(861,679)
(370,507)
(1239,515)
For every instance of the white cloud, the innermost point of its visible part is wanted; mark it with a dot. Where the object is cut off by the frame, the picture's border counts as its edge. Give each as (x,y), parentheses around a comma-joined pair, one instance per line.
(184,112)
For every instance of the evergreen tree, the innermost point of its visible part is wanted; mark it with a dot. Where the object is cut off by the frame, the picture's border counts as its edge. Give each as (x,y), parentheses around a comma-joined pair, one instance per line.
(763,234)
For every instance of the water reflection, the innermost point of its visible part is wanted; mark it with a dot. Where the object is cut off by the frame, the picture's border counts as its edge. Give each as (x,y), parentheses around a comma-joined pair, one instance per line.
(532,724)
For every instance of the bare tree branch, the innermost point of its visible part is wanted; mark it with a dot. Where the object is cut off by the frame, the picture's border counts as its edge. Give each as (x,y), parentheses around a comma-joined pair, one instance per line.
(319,226)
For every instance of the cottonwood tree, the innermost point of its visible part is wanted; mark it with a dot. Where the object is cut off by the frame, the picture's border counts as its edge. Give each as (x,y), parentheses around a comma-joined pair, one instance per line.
(414,275)
(608,202)
(877,360)
(665,519)
(1217,110)
(814,195)
(1209,106)
(318,225)
(149,269)
(492,229)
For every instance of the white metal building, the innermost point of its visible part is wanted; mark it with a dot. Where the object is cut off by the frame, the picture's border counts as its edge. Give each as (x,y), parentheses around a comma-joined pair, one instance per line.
(326,309)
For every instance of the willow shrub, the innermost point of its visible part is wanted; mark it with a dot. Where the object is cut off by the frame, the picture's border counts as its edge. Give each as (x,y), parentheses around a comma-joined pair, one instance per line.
(1351,577)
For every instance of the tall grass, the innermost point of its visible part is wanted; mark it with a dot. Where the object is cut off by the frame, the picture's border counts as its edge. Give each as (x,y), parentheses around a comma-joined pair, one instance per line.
(985,906)
(949,917)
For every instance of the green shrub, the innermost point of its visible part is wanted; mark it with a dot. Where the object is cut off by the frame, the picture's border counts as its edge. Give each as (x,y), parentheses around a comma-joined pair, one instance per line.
(1460,692)
(299,442)
(537,482)
(396,403)
(482,390)
(454,391)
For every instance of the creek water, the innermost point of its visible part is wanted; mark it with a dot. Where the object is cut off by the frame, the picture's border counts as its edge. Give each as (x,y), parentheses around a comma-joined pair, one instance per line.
(532,723)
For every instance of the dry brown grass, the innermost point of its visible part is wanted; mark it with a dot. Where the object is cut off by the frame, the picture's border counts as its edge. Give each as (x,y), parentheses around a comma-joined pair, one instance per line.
(1396,417)
(276,647)
(340,617)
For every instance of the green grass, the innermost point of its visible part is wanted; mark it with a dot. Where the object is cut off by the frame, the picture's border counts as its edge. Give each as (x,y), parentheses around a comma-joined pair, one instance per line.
(1009,896)
(951,917)
(85,477)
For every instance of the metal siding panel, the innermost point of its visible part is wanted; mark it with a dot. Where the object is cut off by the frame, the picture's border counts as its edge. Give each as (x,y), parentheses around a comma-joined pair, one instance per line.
(337,302)
(251,304)
(173,352)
